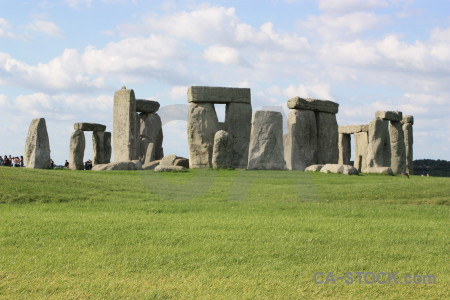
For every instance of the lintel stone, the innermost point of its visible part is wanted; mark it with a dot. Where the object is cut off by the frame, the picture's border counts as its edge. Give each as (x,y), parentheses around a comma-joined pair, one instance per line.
(408,119)
(313,104)
(89,127)
(219,95)
(389,115)
(147,106)
(350,129)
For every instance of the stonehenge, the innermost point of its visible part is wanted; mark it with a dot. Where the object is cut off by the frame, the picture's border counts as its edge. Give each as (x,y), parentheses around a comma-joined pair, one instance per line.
(37,146)
(222,158)
(312,136)
(203,124)
(408,122)
(266,142)
(101,145)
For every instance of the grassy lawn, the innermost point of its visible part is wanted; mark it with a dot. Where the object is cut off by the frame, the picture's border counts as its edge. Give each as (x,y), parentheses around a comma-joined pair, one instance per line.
(228,234)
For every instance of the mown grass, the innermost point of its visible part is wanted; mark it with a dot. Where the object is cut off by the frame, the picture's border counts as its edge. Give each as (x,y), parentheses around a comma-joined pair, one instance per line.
(227,234)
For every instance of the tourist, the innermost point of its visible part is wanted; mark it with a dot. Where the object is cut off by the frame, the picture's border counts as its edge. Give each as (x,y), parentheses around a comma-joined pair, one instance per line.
(21,161)
(66,164)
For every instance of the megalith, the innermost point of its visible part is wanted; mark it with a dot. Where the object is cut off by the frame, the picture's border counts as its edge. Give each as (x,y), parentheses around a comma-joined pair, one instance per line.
(266,142)
(312,136)
(222,154)
(37,146)
(407,126)
(76,152)
(379,149)
(150,129)
(124,126)
(398,150)
(301,139)
(345,151)
(101,144)
(203,123)
(361,145)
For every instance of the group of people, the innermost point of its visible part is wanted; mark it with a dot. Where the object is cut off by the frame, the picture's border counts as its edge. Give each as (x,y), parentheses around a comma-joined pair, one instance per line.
(87,164)
(9,161)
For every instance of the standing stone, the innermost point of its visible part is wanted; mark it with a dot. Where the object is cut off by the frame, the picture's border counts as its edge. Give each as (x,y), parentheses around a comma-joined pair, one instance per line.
(398,151)
(107,147)
(202,126)
(379,149)
(37,146)
(266,141)
(344,149)
(327,138)
(150,125)
(408,133)
(238,123)
(301,139)
(137,139)
(159,151)
(361,145)
(76,153)
(222,150)
(124,127)
(98,148)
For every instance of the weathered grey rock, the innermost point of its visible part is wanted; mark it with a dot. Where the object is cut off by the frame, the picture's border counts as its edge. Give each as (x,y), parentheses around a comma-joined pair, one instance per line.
(345,151)
(124,127)
(266,142)
(398,150)
(222,150)
(202,125)
(327,138)
(181,162)
(314,168)
(379,170)
(408,134)
(118,166)
(159,151)
(168,160)
(76,152)
(151,165)
(170,169)
(313,104)
(339,169)
(150,125)
(301,139)
(147,151)
(379,148)
(361,148)
(408,119)
(37,146)
(350,129)
(238,123)
(208,94)
(89,127)
(107,147)
(98,148)
(389,115)
(147,106)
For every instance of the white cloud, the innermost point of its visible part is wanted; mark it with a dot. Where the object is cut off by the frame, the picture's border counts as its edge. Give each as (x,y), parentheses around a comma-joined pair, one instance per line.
(221,54)
(178,92)
(319,91)
(79,3)
(3,100)
(45,27)
(346,6)
(5,28)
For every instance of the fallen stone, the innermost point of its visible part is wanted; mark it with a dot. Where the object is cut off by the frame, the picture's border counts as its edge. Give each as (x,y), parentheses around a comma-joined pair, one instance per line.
(314,168)
(124,127)
(327,138)
(345,151)
(170,169)
(301,140)
(151,165)
(147,106)
(379,170)
(313,104)
(181,162)
(361,149)
(37,146)
(398,149)
(168,160)
(408,119)
(76,152)
(238,123)
(118,166)
(208,94)
(408,134)
(222,154)
(89,127)
(202,126)
(351,129)
(389,115)
(266,142)
(339,169)
(379,148)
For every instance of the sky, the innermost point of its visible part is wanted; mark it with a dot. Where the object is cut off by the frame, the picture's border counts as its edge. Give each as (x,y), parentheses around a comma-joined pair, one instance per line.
(62,60)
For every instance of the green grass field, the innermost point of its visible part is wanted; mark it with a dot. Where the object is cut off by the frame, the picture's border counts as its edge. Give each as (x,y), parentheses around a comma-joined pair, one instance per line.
(228,234)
